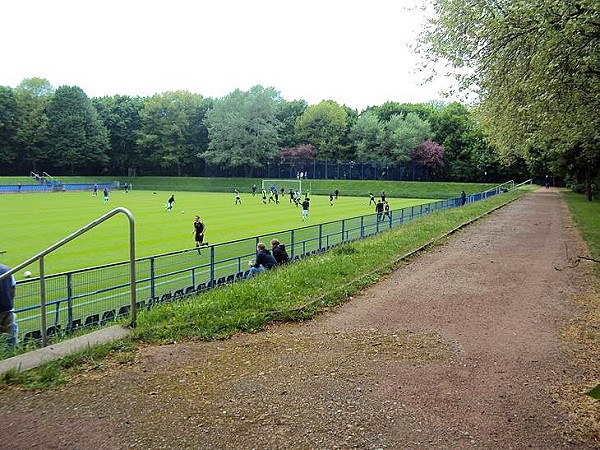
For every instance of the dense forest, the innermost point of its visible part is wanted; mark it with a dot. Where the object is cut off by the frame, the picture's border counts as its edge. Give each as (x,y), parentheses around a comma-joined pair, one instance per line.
(63,131)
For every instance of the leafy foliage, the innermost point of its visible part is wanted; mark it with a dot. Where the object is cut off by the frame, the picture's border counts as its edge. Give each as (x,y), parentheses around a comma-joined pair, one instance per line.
(535,66)
(77,138)
(168,133)
(242,128)
(299,153)
(323,126)
(430,155)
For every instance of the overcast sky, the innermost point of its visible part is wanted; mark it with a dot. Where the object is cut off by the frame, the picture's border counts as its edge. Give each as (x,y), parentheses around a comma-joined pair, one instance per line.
(355,52)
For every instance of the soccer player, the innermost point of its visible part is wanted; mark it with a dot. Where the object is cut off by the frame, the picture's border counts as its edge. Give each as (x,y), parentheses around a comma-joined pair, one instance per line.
(105,196)
(264,197)
(337,193)
(383,196)
(305,207)
(386,211)
(292,195)
(331,199)
(379,210)
(237,197)
(372,199)
(95,192)
(253,190)
(170,203)
(199,229)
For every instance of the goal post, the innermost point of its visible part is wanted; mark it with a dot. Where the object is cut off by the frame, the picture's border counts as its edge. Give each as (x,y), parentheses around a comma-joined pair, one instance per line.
(286,184)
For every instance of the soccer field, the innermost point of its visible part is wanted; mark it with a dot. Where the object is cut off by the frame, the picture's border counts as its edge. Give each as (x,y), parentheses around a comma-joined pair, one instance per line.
(33,222)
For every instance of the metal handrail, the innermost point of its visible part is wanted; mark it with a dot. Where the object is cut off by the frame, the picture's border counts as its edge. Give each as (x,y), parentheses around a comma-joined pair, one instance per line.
(86,228)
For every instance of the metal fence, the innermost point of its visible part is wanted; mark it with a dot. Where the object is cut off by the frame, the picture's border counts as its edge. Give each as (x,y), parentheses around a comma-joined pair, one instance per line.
(94,296)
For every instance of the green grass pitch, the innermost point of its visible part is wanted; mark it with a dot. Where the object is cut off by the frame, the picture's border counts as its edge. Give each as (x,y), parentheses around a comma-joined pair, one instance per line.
(33,222)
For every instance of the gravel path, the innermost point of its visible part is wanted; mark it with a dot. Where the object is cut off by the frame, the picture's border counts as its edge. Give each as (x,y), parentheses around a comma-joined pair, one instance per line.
(458,349)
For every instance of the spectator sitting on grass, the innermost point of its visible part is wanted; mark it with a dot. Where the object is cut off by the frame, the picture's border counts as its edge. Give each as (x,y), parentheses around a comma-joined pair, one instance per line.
(264,260)
(279,253)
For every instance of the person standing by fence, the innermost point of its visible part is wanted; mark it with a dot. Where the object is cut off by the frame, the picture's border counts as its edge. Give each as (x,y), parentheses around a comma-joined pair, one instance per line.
(199,229)
(8,328)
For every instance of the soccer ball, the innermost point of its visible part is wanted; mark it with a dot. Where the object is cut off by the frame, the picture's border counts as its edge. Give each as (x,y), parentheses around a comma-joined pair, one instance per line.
(182,212)
(26,274)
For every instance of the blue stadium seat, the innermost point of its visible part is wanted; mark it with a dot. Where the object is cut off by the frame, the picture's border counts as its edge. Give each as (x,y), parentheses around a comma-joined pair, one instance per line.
(124,310)
(166,297)
(221,281)
(107,316)
(210,284)
(140,305)
(32,336)
(239,276)
(53,330)
(201,287)
(178,295)
(92,320)
(230,278)
(189,291)
(75,325)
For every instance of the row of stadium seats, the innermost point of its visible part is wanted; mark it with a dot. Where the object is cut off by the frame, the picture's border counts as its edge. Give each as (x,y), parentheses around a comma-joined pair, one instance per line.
(33,337)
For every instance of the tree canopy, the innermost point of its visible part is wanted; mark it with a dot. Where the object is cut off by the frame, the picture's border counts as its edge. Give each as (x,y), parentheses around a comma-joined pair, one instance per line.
(535,67)
(243,133)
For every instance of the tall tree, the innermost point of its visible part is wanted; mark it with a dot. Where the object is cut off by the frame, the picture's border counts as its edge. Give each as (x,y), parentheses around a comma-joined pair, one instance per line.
(429,155)
(324,126)
(242,128)
(536,68)
(365,135)
(287,114)
(401,134)
(168,136)
(121,116)
(8,126)
(33,95)
(77,139)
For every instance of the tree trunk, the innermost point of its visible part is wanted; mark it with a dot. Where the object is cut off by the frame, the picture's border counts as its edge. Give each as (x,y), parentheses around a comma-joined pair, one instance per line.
(588,183)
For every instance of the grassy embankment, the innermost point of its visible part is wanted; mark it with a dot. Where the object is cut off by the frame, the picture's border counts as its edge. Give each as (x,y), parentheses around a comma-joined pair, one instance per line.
(582,333)
(291,293)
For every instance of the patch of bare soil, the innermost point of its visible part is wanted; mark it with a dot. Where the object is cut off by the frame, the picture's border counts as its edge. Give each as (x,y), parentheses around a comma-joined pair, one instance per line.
(462,348)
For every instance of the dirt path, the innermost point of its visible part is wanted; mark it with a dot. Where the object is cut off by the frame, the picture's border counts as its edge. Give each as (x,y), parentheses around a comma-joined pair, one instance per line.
(458,349)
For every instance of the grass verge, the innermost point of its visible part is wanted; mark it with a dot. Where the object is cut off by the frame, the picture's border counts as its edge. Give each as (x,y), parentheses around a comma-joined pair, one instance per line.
(582,333)
(296,292)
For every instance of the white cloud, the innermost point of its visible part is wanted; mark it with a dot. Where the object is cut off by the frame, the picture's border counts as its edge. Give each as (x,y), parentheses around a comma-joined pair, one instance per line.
(353,52)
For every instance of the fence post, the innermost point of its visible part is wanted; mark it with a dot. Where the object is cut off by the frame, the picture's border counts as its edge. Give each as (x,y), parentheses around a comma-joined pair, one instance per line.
(152,279)
(292,245)
(362,226)
(43,301)
(212,264)
(320,236)
(343,230)
(69,302)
